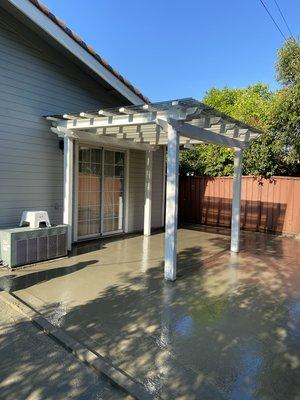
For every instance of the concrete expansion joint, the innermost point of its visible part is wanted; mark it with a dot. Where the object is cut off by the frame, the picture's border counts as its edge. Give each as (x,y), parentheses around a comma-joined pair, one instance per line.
(117,377)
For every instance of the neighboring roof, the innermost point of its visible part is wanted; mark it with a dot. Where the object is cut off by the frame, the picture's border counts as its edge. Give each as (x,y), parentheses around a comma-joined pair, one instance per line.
(88,48)
(145,124)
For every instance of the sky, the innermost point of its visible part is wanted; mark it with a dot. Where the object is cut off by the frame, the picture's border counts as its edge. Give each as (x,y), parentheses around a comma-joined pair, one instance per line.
(173,49)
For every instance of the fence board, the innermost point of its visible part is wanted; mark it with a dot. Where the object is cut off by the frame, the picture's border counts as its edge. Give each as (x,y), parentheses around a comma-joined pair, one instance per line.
(266,204)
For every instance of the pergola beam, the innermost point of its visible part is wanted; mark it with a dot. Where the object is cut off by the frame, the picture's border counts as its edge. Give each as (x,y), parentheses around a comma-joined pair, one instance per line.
(125,110)
(110,121)
(204,135)
(105,113)
(113,141)
(69,117)
(87,115)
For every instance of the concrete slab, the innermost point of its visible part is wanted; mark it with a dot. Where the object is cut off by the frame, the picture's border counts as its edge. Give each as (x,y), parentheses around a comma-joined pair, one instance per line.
(228,328)
(34,367)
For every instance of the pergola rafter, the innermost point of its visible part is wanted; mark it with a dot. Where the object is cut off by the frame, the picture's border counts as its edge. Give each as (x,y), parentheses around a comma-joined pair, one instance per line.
(172,124)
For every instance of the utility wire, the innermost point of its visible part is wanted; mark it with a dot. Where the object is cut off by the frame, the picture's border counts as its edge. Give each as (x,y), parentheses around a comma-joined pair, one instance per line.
(275,23)
(283,17)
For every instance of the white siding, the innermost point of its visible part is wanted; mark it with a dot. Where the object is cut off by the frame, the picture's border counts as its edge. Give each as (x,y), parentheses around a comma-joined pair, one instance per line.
(36,80)
(137,189)
(157,188)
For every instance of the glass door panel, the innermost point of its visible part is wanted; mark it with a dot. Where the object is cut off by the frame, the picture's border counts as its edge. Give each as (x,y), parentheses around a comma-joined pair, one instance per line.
(113,191)
(89,191)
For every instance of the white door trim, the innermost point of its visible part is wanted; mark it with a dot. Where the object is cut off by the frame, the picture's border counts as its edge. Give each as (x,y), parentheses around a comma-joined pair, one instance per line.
(75,191)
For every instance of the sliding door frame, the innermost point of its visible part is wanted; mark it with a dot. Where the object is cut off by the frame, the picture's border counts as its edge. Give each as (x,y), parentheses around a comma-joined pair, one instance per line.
(76,185)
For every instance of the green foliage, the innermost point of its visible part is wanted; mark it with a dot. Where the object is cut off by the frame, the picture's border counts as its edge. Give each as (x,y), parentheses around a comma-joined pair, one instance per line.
(285,121)
(288,62)
(261,157)
(251,105)
(277,150)
(285,113)
(207,160)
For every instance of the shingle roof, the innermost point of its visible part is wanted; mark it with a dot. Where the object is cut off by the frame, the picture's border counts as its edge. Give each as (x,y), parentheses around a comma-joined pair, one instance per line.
(88,48)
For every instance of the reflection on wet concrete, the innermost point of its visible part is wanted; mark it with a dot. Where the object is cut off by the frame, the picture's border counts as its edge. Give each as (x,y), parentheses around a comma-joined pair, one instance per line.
(228,328)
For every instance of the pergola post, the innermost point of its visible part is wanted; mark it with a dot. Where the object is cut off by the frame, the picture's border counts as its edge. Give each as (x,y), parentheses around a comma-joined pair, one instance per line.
(68,188)
(171,204)
(236,201)
(148,193)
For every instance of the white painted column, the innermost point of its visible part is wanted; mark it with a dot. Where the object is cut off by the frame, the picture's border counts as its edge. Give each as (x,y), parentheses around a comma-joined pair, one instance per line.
(75,191)
(127,183)
(68,187)
(236,201)
(148,193)
(171,204)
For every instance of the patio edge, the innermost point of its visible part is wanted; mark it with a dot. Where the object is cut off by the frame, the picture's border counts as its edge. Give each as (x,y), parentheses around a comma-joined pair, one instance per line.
(94,361)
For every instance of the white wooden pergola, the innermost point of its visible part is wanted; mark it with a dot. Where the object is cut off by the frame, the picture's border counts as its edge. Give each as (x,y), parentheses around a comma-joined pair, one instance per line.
(172,124)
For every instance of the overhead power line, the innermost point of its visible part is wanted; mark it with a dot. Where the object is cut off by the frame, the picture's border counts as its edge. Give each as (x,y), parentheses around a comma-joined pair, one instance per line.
(283,17)
(271,16)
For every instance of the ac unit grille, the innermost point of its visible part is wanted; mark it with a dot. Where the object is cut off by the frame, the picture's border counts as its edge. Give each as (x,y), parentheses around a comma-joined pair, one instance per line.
(21,252)
(42,248)
(39,249)
(32,250)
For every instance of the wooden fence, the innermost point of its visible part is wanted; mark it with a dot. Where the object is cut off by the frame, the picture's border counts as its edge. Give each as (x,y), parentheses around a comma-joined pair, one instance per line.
(266,204)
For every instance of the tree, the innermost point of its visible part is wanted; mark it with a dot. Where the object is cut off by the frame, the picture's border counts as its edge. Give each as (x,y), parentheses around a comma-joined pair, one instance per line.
(285,113)
(288,62)
(207,159)
(250,105)
(277,150)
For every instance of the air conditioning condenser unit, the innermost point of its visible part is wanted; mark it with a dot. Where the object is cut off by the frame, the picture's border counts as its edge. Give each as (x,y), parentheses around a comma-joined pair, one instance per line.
(25,245)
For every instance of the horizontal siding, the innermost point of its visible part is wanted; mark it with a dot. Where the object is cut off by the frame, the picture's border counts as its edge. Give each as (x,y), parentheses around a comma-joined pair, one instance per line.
(157,188)
(44,192)
(36,80)
(30,168)
(137,189)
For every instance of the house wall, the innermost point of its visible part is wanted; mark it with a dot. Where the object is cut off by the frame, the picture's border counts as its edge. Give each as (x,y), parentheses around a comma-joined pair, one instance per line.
(137,164)
(36,80)
(158,188)
(136,195)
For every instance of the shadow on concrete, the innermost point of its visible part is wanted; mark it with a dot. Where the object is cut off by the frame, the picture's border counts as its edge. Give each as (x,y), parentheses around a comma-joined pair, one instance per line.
(34,367)
(257,243)
(13,282)
(226,329)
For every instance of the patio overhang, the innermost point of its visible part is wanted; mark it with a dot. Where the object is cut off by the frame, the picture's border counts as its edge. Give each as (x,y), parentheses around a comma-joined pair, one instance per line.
(172,124)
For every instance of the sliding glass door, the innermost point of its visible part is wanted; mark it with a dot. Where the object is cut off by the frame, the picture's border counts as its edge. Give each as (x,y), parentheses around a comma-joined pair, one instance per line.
(100,191)
(113,191)
(89,191)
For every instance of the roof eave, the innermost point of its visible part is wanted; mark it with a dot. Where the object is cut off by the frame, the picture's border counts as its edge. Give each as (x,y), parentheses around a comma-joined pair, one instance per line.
(71,42)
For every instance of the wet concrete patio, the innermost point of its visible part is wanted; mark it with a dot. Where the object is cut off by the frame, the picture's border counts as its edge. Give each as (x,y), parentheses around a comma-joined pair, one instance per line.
(228,328)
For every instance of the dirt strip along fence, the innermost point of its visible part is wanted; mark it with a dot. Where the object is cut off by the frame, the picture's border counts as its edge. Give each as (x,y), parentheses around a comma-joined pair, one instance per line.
(270,205)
